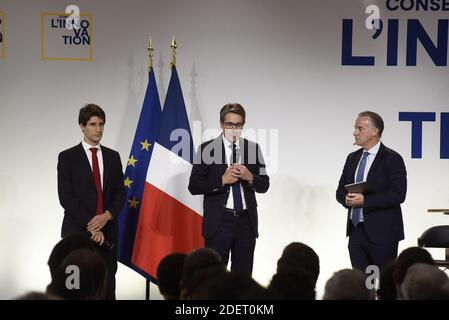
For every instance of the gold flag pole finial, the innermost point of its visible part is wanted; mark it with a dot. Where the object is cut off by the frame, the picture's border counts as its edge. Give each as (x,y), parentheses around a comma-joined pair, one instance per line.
(173,47)
(150,54)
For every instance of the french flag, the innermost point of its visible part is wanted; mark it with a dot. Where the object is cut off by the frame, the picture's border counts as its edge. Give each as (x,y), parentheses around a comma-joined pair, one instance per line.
(170,217)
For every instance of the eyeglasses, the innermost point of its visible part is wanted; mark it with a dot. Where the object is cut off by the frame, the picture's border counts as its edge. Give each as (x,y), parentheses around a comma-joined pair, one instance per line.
(230,125)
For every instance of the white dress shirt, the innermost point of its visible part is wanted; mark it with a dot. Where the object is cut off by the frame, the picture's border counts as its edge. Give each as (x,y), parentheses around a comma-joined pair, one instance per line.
(228,155)
(369,161)
(87,147)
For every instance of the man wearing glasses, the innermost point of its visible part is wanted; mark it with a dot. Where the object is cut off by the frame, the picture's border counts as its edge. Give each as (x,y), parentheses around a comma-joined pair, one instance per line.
(228,170)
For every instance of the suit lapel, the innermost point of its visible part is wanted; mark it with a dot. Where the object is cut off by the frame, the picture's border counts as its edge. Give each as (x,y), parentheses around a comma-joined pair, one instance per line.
(106,167)
(355,163)
(216,153)
(377,160)
(85,163)
(220,146)
(243,143)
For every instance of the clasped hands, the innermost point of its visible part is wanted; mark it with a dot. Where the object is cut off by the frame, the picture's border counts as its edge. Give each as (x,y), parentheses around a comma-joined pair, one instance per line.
(355,200)
(237,172)
(96,224)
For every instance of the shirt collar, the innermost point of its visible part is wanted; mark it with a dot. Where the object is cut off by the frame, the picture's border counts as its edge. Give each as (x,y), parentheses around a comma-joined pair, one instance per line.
(228,144)
(87,146)
(374,150)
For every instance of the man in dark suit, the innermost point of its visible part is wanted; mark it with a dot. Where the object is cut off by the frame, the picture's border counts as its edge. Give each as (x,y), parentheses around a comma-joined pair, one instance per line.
(91,190)
(374,223)
(228,170)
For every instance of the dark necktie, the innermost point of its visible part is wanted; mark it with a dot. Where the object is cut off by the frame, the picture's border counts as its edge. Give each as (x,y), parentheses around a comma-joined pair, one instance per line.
(236,191)
(97,179)
(356,212)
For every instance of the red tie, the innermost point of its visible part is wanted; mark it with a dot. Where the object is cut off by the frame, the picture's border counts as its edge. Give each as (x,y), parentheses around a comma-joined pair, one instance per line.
(97,179)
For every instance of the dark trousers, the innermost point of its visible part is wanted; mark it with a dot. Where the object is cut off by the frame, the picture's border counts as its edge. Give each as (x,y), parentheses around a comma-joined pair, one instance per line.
(364,252)
(110,258)
(235,236)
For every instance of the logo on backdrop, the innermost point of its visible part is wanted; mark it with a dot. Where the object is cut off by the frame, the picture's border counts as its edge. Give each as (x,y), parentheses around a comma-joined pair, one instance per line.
(416,120)
(67,36)
(417,35)
(2,34)
(432,38)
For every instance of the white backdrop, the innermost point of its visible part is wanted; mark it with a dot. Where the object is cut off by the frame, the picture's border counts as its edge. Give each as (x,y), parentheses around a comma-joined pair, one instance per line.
(280,59)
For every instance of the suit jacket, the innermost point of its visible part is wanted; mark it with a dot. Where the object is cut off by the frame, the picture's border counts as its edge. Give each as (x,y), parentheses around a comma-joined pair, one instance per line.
(387,179)
(77,193)
(208,168)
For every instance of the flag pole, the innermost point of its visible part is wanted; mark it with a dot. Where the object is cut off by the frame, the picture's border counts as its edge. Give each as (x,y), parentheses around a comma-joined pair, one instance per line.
(150,54)
(150,66)
(173,47)
(147,289)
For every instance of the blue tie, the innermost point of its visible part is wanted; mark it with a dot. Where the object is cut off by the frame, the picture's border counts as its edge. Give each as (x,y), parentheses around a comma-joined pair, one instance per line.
(356,212)
(236,193)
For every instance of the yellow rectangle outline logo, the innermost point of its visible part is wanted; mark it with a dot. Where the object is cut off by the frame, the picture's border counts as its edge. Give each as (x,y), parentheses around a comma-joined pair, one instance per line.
(44,14)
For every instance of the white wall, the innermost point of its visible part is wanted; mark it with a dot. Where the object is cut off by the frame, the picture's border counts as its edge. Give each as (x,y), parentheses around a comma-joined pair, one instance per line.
(280,59)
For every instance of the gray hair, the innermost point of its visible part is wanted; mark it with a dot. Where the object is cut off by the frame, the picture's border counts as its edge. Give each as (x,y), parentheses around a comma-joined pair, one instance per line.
(376,120)
(348,284)
(424,282)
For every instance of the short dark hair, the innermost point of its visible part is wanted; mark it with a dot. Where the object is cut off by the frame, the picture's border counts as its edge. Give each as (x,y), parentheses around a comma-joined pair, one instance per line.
(232,108)
(294,284)
(298,255)
(89,111)
(200,284)
(67,245)
(407,258)
(199,259)
(92,277)
(169,273)
(234,286)
(376,120)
